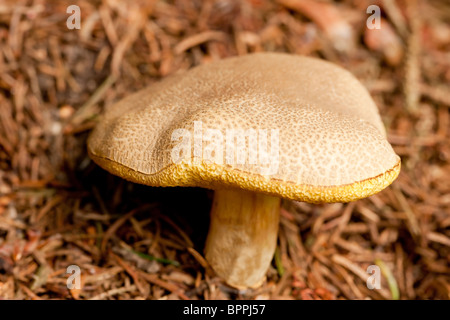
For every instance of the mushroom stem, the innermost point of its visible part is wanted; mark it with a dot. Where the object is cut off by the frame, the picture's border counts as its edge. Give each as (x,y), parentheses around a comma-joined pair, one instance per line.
(242,236)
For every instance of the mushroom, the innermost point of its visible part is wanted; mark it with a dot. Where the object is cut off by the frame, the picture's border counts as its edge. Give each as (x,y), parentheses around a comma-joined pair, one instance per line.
(255,129)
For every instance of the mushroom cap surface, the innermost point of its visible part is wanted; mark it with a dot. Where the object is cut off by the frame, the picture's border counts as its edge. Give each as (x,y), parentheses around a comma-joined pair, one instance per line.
(331,143)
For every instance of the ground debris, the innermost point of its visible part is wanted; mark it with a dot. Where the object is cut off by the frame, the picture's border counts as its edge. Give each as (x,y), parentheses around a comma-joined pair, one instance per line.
(57,209)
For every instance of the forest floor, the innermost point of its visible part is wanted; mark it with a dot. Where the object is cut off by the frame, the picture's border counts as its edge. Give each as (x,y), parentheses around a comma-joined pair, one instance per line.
(57,208)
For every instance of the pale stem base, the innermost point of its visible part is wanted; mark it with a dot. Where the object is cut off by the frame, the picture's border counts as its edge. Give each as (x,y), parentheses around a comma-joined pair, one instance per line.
(242,236)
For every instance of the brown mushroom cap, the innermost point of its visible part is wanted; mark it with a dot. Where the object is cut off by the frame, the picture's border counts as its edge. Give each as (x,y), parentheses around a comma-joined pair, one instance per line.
(332,143)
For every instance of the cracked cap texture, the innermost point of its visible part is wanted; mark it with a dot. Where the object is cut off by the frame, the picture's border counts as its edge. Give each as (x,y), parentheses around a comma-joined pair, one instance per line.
(318,125)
